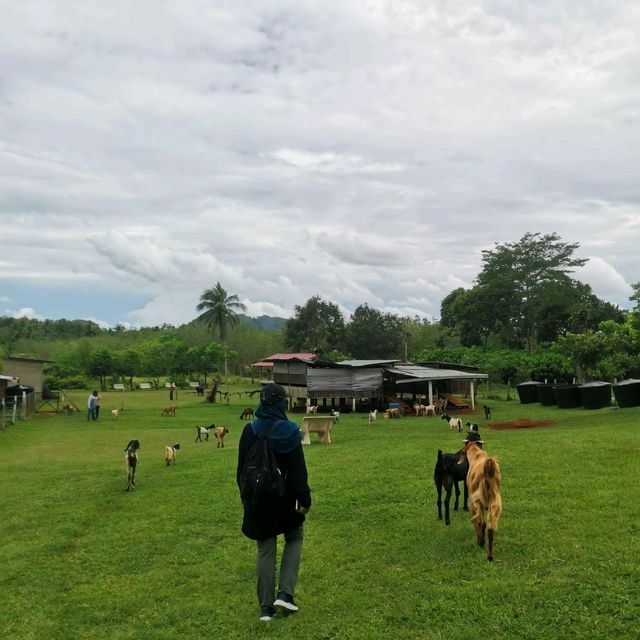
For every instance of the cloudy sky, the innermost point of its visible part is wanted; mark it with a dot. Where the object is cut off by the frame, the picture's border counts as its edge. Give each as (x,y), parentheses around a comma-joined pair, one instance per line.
(363,151)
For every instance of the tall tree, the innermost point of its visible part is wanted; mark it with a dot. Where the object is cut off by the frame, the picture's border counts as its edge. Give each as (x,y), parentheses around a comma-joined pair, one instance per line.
(219,311)
(518,277)
(374,334)
(635,297)
(317,326)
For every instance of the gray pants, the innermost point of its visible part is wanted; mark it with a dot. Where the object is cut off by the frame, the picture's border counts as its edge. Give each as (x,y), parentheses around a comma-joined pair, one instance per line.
(266,566)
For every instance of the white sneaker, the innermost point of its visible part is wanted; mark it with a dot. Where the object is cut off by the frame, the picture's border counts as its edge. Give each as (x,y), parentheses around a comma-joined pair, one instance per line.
(285,601)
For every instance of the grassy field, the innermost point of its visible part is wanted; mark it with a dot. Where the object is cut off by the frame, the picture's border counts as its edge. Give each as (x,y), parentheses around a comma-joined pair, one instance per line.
(83,559)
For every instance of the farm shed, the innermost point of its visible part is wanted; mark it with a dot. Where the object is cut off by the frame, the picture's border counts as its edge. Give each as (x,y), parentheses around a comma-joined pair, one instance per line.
(430,382)
(567,395)
(452,386)
(528,391)
(346,381)
(595,395)
(627,393)
(290,371)
(29,371)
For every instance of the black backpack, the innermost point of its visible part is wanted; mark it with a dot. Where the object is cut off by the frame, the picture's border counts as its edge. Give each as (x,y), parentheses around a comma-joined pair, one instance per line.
(261,479)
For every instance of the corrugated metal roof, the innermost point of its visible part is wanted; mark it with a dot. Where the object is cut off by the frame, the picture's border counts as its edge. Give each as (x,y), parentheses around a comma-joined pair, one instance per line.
(262,364)
(366,363)
(416,373)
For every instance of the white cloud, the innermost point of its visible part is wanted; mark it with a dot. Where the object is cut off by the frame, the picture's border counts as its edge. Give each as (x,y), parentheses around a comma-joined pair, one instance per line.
(607,283)
(26,312)
(364,152)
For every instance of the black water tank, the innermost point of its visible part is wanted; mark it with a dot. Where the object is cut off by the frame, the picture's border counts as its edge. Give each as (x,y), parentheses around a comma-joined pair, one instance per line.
(595,395)
(528,391)
(547,395)
(567,396)
(627,393)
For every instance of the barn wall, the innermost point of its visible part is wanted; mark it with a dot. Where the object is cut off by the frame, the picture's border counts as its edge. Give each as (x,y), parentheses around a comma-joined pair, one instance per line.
(28,371)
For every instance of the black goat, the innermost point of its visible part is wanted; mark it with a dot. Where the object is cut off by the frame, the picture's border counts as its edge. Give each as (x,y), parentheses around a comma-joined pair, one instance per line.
(450,469)
(131,462)
(487,412)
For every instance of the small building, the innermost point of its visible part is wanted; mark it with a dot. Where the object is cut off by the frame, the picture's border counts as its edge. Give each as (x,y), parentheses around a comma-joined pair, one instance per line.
(29,371)
(290,371)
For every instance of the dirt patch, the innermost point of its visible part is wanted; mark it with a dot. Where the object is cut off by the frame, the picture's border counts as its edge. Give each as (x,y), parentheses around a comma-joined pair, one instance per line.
(521,423)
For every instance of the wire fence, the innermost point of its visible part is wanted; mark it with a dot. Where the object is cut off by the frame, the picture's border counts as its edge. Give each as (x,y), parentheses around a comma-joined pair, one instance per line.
(16,408)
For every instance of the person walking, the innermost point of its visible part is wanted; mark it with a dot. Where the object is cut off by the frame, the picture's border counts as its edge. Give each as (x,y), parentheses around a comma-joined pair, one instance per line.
(98,400)
(267,519)
(91,406)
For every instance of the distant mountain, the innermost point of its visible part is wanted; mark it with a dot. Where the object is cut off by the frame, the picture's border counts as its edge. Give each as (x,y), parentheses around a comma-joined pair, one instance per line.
(266,323)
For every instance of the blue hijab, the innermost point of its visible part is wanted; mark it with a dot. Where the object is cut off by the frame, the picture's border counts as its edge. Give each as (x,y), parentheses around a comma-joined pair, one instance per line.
(272,422)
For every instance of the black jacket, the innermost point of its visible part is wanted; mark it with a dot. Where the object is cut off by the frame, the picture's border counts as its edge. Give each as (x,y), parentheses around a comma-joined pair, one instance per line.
(279,515)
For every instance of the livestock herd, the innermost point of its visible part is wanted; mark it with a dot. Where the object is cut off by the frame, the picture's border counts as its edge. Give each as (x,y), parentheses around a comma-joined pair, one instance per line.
(471,465)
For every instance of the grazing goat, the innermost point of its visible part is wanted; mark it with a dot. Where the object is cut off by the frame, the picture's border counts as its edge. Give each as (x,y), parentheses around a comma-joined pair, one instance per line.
(114,414)
(420,409)
(131,462)
(394,413)
(450,469)
(247,414)
(220,433)
(373,415)
(429,410)
(168,411)
(170,453)
(335,415)
(203,431)
(454,423)
(487,412)
(312,408)
(483,480)
(441,406)
(69,407)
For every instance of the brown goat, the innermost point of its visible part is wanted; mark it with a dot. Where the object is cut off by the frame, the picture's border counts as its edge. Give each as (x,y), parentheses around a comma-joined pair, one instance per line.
(483,481)
(220,433)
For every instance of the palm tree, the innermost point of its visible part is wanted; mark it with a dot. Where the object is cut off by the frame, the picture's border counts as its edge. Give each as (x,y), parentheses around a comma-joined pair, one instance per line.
(219,312)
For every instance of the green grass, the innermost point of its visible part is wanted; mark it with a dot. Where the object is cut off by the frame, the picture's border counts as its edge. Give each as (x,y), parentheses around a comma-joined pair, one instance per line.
(83,559)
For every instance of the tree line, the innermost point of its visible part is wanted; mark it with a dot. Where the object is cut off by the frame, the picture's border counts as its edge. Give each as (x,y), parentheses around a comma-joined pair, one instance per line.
(525,316)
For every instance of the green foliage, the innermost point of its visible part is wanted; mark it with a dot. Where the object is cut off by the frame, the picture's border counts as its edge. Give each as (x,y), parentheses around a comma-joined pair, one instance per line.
(524,296)
(84,559)
(317,326)
(373,334)
(336,356)
(504,365)
(611,352)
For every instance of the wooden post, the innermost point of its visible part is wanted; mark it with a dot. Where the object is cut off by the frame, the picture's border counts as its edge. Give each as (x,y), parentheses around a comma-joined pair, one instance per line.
(353,404)
(473,400)
(430,392)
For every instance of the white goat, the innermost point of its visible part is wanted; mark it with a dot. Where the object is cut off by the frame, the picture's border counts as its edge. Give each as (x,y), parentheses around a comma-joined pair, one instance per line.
(454,423)
(373,415)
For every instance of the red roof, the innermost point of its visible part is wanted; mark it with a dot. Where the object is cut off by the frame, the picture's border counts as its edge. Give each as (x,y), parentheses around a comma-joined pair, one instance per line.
(291,356)
(262,364)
